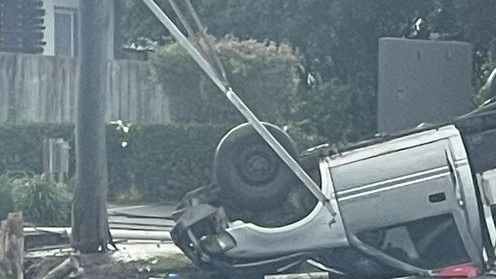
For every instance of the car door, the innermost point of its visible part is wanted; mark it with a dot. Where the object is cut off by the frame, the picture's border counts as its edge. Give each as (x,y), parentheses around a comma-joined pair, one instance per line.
(410,201)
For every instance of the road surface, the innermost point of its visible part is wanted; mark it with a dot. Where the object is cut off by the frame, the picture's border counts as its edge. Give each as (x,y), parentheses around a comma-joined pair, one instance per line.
(153,217)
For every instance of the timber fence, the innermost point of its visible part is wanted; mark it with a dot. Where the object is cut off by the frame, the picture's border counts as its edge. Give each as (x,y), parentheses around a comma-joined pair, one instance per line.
(36,88)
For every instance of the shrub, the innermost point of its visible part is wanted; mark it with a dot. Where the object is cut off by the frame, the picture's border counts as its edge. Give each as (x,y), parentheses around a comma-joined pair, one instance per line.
(21,145)
(263,74)
(42,200)
(160,162)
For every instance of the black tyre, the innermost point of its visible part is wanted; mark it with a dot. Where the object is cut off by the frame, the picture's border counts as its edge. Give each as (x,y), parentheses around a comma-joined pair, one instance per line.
(249,173)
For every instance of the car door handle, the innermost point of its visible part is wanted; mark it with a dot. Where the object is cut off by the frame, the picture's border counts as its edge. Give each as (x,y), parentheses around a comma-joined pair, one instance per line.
(438,197)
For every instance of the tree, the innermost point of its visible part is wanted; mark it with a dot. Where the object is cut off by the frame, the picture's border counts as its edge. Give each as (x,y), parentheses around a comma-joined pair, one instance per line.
(336,111)
(89,214)
(478,26)
(338,39)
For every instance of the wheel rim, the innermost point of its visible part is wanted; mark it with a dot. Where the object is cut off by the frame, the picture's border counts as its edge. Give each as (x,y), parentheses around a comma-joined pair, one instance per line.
(257,167)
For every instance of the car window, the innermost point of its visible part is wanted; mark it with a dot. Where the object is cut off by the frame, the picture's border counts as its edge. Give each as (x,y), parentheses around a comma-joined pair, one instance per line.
(429,243)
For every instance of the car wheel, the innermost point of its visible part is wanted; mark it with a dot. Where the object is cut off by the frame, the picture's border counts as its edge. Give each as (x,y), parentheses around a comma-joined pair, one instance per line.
(249,172)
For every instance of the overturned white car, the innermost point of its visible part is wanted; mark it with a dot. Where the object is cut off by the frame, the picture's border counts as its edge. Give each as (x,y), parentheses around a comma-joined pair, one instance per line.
(417,203)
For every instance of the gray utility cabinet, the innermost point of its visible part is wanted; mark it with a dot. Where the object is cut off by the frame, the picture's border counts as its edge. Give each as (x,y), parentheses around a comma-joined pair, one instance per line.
(422,82)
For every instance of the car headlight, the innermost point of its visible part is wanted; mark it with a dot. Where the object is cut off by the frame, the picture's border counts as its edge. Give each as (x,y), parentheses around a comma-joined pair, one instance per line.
(217,243)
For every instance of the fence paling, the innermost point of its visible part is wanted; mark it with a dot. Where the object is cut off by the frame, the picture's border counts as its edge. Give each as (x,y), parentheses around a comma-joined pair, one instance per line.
(37,88)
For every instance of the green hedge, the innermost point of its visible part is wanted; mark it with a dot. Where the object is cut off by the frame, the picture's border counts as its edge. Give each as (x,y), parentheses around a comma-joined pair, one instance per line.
(21,146)
(160,162)
(164,162)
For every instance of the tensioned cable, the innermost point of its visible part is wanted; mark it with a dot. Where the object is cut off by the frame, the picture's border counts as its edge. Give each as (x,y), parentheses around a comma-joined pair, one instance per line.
(203,62)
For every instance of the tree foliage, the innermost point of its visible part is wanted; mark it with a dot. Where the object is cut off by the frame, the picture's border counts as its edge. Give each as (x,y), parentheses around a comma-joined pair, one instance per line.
(338,39)
(263,74)
(337,111)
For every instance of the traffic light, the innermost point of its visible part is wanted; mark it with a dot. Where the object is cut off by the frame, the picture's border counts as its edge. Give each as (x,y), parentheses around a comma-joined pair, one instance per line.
(21,26)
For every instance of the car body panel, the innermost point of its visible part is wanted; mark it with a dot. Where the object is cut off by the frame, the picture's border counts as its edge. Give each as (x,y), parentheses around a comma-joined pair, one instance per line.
(314,231)
(412,180)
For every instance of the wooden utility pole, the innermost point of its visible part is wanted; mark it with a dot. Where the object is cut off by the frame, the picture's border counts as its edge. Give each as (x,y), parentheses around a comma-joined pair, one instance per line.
(12,247)
(89,211)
